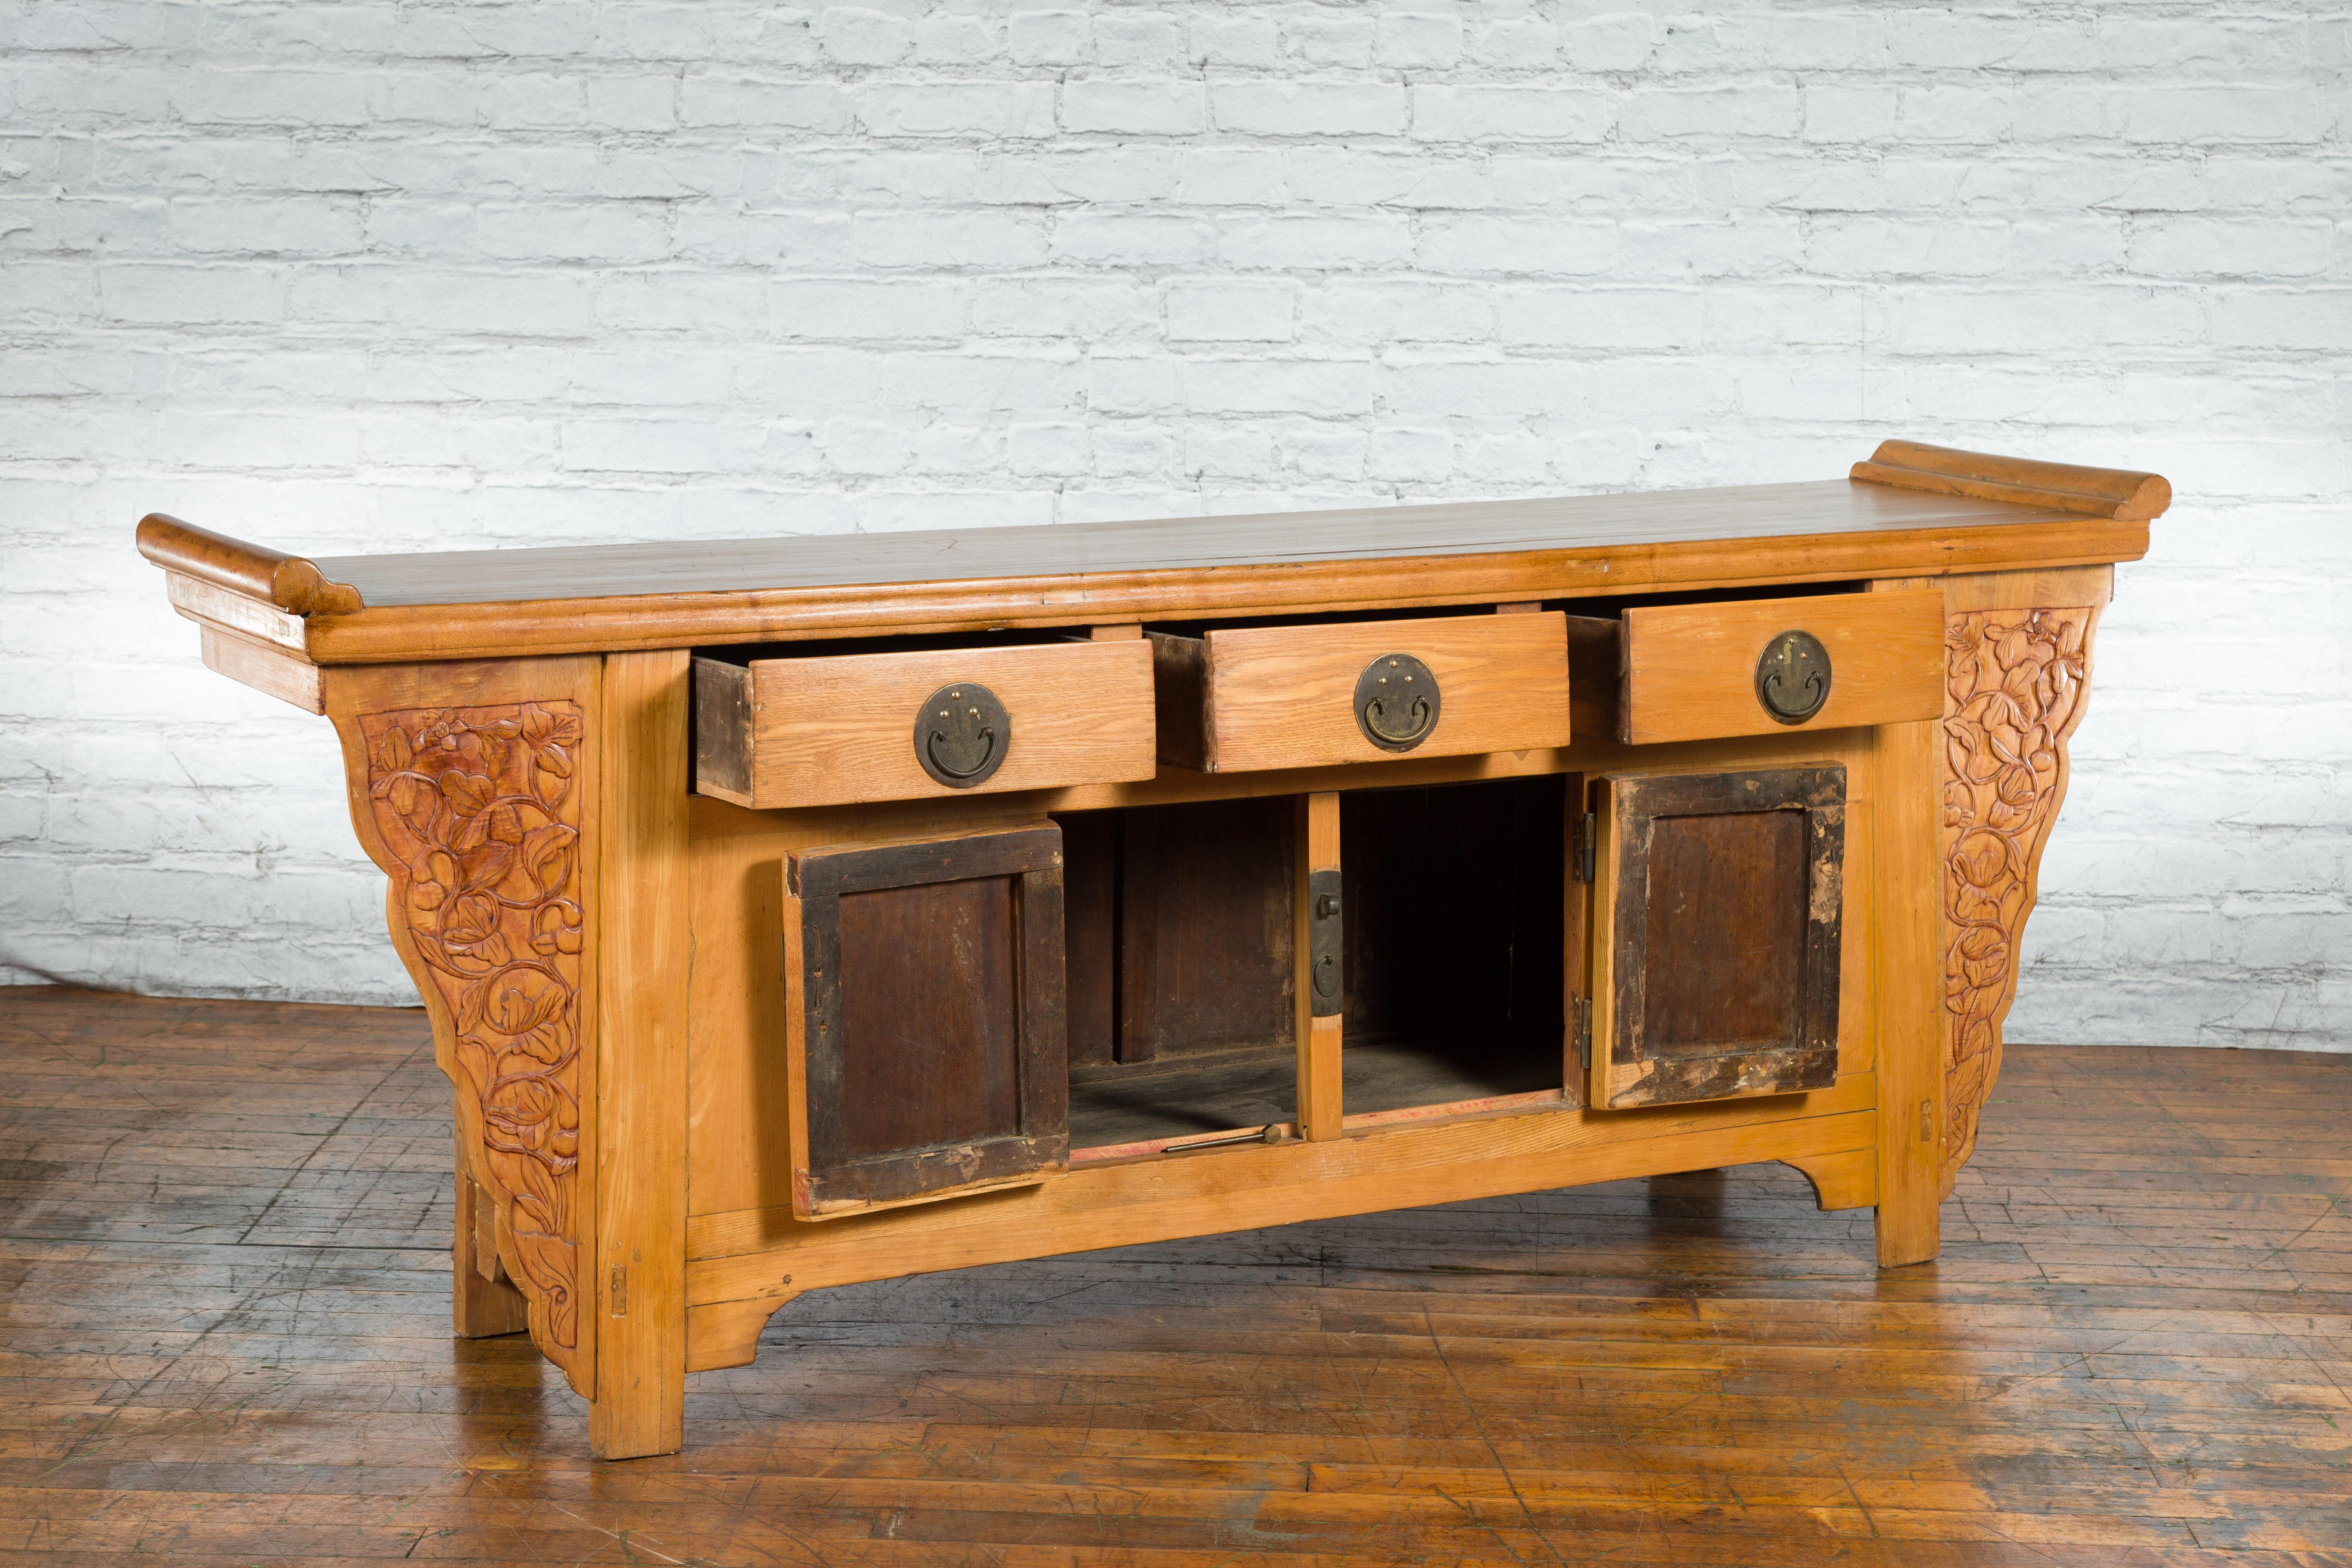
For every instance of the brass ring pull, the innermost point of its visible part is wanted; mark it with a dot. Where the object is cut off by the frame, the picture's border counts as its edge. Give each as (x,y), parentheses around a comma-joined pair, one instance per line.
(1327,976)
(1792,677)
(963,734)
(1380,719)
(942,765)
(1397,703)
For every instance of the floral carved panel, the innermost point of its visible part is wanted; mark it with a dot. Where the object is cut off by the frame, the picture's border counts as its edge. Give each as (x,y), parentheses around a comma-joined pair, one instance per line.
(2015,684)
(478,814)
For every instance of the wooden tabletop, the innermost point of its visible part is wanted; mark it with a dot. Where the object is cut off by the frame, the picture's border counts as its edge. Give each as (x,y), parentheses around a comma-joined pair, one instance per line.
(1759,512)
(1907,510)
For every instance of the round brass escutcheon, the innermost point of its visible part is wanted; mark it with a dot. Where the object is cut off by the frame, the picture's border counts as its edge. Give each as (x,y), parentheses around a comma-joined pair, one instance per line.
(1792,677)
(962,734)
(1326,975)
(1396,702)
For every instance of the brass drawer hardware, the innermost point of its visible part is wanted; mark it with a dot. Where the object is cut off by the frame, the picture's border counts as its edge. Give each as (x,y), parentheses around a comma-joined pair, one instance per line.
(1792,677)
(961,734)
(1323,946)
(1396,702)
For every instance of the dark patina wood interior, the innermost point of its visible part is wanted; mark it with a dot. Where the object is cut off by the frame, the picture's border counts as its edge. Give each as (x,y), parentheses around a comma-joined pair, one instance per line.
(1182,960)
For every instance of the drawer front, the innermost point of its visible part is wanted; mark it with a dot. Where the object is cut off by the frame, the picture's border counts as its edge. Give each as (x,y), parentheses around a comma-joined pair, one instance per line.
(1250,697)
(1758,666)
(859,727)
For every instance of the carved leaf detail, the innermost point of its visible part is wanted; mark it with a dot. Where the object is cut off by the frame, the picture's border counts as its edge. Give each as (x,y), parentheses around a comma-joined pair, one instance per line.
(2015,682)
(475,809)
(466,792)
(546,857)
(556,927)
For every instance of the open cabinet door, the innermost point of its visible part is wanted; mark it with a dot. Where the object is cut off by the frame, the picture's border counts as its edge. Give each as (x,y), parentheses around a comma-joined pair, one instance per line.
(925,1018)
(1717,905)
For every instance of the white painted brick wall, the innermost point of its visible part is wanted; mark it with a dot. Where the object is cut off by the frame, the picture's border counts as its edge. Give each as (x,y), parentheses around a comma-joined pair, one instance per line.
(398,274)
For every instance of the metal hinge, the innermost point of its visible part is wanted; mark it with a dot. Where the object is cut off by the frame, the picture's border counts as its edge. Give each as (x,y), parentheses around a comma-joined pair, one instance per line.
(1583,1035)
(1588,846)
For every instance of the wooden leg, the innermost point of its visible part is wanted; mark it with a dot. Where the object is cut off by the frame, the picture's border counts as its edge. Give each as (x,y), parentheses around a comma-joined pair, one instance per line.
(641,1079)
(2017,682)
(2017,674)
(1909,964)
(483,1303)
(474,786)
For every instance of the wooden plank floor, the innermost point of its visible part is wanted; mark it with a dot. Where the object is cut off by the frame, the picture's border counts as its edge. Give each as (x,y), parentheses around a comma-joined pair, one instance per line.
(226,1342)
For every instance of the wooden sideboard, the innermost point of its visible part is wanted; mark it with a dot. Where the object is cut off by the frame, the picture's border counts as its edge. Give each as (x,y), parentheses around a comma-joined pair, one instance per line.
(804,910)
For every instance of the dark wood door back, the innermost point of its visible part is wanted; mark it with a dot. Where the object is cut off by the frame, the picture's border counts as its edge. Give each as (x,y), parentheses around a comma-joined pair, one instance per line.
(930,997)
(1720,943)
(927,995)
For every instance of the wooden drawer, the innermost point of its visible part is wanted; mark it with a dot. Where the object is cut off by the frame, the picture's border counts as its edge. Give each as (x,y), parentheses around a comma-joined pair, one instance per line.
(840,728)
(1242,697)
(1690,672)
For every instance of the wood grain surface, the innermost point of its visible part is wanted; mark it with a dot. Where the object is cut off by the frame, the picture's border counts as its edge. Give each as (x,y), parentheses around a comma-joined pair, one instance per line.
(1722,886)
(209,604)
(288,582)
(643,953)
(839,729)
(1162,545)
(924,1018)
(1284,697)
(1315,843)
(2018,656)
(269,670)
(227,1229)
(1904,936)
(479,790)
(483,1300)
(476,603)
(1718,933)
(1947,470)
(1690,669)
(931,1020)
(1204,927)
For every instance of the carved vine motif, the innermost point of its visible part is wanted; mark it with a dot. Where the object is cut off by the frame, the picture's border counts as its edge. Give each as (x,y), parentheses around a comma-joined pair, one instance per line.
(479,808)
(2015,690)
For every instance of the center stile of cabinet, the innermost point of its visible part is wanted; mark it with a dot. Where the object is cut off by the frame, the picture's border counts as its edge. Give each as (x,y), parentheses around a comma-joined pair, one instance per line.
(1223,887)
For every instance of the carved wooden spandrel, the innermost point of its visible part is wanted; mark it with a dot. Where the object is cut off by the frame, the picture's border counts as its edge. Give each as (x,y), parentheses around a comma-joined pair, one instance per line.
(475,813)
(2016,682)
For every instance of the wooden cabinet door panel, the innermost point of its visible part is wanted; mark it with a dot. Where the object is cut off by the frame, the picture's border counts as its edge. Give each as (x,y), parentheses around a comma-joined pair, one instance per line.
(1718,914)
(925,1018)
